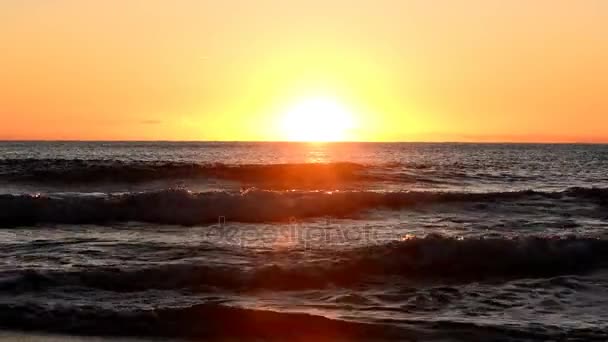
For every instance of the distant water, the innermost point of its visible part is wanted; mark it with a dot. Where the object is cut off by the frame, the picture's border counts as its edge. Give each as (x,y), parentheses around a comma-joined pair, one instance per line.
(441,242)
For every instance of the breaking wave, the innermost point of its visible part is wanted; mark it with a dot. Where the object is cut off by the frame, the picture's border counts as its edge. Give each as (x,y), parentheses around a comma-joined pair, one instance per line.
(63,171)
(416,259)
(179,206)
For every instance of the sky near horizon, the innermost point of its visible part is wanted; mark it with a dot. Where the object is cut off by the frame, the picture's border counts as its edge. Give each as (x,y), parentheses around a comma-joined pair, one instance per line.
(404,70)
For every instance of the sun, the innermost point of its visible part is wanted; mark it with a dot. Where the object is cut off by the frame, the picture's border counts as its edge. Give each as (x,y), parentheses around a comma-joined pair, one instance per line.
(317,119)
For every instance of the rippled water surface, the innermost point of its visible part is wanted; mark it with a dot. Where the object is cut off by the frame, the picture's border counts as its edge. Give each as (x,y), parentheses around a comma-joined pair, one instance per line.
(268,240)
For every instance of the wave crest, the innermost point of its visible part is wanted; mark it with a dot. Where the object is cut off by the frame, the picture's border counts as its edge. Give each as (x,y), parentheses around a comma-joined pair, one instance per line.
(302,175)
(180,206)
(430,258)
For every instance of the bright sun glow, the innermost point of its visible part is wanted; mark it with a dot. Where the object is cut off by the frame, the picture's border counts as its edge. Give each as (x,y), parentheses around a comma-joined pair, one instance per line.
(317,119)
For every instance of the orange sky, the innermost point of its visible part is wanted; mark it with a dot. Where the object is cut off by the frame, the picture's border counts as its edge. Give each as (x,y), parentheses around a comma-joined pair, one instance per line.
(469,70)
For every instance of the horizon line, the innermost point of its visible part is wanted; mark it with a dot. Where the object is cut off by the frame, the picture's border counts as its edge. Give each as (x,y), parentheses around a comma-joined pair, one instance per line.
(489,142)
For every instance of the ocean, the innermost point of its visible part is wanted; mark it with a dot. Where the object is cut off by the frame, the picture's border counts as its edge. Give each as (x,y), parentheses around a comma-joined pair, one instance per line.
(305,241)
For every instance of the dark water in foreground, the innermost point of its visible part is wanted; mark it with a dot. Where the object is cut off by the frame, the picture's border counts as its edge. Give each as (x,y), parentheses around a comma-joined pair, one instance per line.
(438,242)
